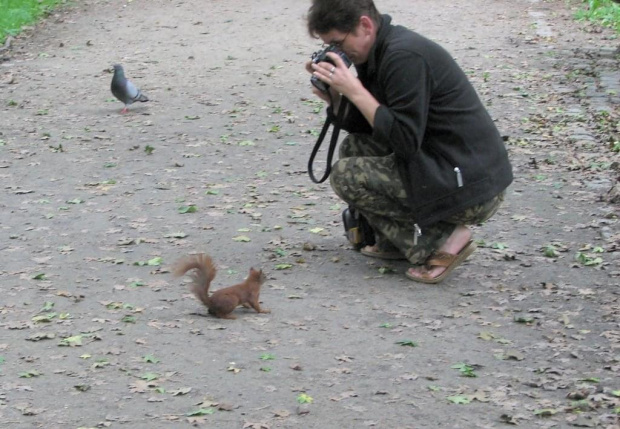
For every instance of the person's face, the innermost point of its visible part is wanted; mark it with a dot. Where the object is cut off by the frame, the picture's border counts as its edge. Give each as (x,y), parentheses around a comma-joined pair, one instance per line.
(356,43)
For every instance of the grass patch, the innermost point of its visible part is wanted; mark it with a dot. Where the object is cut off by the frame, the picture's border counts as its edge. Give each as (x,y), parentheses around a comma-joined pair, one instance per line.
(605,12)
(16,13)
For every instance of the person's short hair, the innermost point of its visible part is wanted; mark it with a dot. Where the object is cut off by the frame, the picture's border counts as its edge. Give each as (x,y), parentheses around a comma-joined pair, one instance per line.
(341,15)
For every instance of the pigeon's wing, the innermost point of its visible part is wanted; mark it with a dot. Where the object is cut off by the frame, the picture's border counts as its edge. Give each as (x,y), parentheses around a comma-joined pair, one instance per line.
(135,93)
(132,92)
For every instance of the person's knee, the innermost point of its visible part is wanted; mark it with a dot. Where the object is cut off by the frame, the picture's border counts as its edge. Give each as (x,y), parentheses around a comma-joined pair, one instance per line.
(354,145)
(346,147)
(337,178)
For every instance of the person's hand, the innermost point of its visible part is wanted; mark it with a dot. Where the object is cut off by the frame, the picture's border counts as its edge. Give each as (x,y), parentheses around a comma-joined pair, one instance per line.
(322,95)
(337,76)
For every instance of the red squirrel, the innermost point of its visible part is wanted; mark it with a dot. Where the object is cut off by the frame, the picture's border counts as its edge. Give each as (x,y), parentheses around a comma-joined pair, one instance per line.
(223,301)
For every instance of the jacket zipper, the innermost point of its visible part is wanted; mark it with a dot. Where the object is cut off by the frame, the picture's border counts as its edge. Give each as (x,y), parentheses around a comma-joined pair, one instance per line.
(457,170)
(459,183)
(459,177)
(416,233)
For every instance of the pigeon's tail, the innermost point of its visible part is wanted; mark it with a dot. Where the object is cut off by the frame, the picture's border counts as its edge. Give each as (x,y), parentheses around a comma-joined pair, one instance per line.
(141,97)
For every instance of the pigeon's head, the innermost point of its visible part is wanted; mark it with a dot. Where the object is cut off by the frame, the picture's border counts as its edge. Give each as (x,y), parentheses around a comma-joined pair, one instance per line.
(118,67)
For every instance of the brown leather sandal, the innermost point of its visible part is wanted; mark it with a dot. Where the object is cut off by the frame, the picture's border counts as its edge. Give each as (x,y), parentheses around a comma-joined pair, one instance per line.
(443,259)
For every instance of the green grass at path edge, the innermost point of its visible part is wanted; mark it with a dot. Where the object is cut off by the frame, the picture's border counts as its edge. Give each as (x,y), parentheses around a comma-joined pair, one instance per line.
(605,12)
(16,13)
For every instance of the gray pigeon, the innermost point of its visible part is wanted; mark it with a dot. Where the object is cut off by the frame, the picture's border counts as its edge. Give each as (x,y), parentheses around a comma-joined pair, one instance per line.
(124,90)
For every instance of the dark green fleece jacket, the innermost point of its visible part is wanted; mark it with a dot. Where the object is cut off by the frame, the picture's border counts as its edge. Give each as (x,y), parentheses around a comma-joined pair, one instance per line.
(448,150)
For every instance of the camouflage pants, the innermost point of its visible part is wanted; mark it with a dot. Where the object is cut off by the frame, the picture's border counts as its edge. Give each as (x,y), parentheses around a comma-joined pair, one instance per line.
(366,177)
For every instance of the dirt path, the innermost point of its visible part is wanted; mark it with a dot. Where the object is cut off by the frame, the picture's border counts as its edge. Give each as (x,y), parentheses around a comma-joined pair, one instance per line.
(91,335)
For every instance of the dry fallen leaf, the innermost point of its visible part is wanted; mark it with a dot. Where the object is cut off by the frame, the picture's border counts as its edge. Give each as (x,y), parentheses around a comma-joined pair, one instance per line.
(249,425)
(344,395)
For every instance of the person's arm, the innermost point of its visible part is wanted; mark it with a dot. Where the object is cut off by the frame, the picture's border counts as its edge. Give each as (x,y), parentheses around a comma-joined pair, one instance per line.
(406,82)
(342,81)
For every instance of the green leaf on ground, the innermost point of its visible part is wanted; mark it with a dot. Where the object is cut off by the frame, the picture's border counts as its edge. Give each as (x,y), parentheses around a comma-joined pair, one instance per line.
(524,319)
(486,336)
(304,399)
(154,262)
(465,369)
(149,376)
(187,209)
(29,374)
(459,399)
(150,359)
(44,318)
(591,380)
(407,343)
(283,266)
(129,319)
(201,412)
(550,251)
(48,306)
(588,260)
(74,341)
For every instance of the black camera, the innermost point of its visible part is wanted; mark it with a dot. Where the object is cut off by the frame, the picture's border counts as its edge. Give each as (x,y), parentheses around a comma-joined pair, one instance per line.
(357,229)
(321,56)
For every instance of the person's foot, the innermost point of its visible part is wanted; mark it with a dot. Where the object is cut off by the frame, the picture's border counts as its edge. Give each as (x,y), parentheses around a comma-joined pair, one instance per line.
(371,249)
(383,249)
(458,240)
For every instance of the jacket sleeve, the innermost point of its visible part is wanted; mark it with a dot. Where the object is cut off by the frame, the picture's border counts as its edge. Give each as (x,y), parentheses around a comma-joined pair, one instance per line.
(353,122)
(400,120)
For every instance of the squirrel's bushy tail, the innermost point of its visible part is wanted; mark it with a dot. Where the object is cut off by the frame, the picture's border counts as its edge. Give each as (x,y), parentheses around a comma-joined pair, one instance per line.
(202,276)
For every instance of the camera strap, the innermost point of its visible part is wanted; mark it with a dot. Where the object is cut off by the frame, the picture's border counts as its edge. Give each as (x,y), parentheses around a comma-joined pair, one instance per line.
(332,144)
